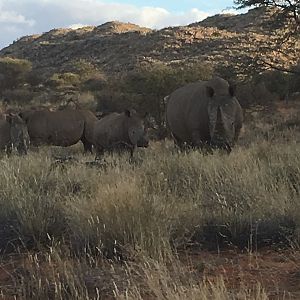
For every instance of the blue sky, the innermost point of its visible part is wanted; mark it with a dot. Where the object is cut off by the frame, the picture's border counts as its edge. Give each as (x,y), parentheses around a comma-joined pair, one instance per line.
(184,5)
(25,17)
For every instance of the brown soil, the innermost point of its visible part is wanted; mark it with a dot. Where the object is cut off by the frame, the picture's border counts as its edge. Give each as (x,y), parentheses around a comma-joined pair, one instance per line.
(278,272)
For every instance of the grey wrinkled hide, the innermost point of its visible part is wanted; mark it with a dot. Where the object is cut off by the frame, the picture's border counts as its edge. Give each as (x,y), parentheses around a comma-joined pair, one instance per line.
(60,128)
(14,134)
(118,132)
(205,113)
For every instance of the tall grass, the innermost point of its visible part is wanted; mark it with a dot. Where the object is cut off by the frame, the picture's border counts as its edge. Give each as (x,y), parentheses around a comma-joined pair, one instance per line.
(70,216)
(169,200)
(56,276)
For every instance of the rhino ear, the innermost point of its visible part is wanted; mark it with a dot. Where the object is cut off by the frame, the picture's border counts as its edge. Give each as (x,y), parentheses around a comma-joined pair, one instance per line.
(210,91)
(232,90)
(127,113)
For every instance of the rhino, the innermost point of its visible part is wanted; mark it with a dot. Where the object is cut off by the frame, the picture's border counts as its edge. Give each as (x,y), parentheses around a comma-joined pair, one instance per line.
(60,128)
(13,134)
(119,131)
(205,114)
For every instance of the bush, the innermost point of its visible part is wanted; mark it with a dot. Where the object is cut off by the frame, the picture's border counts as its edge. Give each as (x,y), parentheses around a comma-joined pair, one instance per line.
(152,83)
(95,82)
(13,72)
(276,82)
(251,93)
(63,79)
(34,78)
(83,68)
(20,96)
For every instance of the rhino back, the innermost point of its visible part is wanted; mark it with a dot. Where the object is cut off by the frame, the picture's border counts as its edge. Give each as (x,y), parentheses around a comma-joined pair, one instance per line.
(187,111)
(60,128)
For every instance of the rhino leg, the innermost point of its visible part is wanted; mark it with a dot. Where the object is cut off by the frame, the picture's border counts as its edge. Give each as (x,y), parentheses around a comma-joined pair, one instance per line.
(178,143)
(199,143)
(88,147)
(99,153)
(123,147)
(196,140)
(9,149)
(131,149)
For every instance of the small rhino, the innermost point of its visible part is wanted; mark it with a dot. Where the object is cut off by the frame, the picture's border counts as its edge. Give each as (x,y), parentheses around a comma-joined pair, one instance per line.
(13,134)
(118,132)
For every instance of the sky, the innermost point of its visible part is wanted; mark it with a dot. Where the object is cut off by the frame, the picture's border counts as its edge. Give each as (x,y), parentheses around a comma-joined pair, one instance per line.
(24,17)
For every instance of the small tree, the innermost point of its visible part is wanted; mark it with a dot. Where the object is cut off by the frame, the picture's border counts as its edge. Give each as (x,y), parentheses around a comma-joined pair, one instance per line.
(63,79)
(283,34)
(83,68)
(154,82)
(13,72)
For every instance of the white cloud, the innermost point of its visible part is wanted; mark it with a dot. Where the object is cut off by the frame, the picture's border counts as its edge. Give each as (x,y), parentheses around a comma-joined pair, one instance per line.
(12,17)
(36,16)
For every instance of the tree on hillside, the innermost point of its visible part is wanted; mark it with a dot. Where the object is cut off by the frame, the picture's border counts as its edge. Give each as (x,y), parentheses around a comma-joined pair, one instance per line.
(283,30)
(13,72)
(288,9)
(155,81)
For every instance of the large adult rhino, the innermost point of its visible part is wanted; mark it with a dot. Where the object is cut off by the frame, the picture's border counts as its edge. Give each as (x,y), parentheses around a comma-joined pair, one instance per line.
(120,131)
(205,113)
(13,134)
(61,127)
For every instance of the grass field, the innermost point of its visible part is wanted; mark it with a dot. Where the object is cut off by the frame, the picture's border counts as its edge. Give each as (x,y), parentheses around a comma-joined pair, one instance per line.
(74,230)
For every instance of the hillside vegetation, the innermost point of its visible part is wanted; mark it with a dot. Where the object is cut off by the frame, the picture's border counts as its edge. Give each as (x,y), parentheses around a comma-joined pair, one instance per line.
(223,40)
(117,65)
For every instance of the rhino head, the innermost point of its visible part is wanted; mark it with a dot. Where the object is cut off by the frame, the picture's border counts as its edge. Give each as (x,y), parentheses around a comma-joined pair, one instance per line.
(137,132)
(222,106)
(18,133)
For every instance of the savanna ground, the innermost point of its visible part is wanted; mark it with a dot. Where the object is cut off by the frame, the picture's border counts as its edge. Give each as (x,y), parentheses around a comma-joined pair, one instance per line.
(170,226)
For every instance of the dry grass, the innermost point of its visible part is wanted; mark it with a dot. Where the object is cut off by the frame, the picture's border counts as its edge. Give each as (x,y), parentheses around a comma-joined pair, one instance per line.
(165,200)
(71,217)
(57,276)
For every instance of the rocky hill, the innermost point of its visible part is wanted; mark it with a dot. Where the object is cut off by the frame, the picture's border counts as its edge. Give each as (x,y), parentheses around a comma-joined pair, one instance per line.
(223,40)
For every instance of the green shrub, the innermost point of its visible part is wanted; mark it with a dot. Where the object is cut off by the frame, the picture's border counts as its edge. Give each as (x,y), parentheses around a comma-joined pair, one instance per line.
(61,79)
(13,71)
(18,96)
